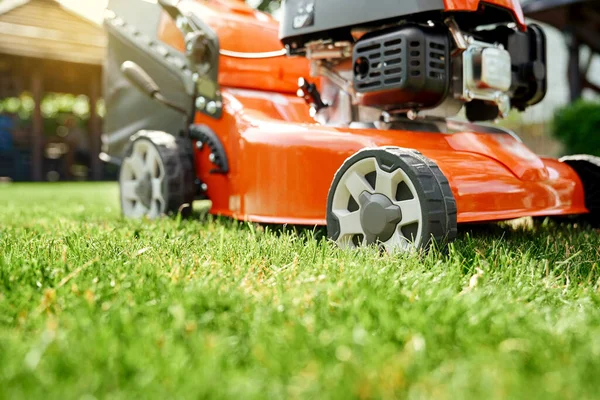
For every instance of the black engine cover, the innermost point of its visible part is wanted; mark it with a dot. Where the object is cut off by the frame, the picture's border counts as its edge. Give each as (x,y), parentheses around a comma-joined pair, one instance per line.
(305,20)
(403,68)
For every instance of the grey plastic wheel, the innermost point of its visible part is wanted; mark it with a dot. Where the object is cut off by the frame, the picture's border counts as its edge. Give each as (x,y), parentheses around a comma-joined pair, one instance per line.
(157,176)
(393,197)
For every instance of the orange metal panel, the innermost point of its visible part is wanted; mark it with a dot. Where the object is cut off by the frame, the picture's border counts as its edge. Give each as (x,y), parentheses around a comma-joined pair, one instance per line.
(472,5)
(525,164)
(282,165)
(242,29)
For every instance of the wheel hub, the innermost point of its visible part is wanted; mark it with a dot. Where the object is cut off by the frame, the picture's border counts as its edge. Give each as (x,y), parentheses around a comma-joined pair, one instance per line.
(144,190)
(379,216)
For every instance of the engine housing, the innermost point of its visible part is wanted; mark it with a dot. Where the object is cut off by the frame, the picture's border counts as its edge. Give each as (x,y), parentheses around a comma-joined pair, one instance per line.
(306,20)
(402,68)
(415,59)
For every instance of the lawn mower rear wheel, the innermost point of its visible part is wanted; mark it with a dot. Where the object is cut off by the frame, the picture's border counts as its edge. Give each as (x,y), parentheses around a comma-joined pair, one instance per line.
(157,176)
(588,169)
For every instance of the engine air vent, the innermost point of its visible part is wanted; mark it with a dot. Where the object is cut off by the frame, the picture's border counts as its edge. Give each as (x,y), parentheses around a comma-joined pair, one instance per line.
(374,63)
(411,59)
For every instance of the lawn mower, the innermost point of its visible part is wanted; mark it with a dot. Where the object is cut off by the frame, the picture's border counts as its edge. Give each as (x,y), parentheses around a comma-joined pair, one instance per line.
(344,114)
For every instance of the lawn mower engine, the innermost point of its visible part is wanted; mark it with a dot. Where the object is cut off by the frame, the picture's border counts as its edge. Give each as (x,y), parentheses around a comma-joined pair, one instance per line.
(414,59)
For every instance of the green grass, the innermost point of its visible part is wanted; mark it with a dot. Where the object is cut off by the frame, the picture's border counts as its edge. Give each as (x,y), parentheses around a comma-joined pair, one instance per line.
(94,306)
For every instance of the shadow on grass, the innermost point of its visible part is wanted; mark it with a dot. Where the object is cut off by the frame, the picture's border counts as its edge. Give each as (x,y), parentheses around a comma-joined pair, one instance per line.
(524,229)
(200,214)
(515,230)
(524,233)
(567,248)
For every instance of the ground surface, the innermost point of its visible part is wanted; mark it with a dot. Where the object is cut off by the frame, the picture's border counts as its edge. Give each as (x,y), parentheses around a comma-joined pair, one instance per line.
(95,306)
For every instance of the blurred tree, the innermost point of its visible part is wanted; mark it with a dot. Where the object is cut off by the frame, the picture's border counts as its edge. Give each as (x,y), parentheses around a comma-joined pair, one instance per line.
(577,125)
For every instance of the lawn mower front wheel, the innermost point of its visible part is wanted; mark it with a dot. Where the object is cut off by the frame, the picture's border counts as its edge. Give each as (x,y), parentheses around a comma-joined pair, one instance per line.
(157,176)
(393,197)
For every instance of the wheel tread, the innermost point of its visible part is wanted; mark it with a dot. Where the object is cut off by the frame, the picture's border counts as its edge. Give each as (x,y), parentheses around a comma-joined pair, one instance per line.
(177,156)
(441,206)
(587,167)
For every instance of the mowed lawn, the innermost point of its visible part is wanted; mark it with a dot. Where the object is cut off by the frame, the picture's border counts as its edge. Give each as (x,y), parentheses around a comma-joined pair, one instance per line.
(94,306)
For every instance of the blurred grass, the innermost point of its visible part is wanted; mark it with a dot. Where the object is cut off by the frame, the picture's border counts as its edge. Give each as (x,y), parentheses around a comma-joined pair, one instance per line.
(94,306)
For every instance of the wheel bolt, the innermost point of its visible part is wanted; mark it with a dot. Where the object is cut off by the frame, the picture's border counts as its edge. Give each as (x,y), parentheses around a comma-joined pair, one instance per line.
(211,107)
(200,103)
(212,157)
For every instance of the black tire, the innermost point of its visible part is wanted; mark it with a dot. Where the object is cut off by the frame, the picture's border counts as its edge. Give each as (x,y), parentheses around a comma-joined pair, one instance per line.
(438,206)
(176,154)
(588,169)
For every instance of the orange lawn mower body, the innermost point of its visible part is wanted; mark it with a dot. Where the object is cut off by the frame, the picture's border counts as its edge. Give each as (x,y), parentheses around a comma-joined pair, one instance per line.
(254,135)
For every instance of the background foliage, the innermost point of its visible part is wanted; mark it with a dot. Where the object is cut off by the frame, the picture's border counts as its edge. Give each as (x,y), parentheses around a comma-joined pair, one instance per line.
(268,5)
(577,126)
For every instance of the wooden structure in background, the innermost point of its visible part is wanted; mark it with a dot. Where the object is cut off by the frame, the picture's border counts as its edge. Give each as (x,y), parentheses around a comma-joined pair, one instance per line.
(579,20)
(46,48)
